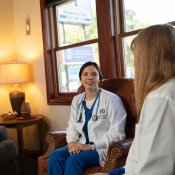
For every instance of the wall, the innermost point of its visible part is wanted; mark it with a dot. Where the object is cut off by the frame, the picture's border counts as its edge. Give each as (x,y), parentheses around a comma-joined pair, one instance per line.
(29,48)
(7,47)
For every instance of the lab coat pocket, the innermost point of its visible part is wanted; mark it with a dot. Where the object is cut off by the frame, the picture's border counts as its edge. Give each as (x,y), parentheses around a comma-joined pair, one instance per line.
(102,116)
(102,121)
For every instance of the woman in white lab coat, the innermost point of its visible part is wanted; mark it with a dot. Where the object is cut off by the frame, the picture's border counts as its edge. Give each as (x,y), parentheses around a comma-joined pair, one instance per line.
(97,118)
(153,150)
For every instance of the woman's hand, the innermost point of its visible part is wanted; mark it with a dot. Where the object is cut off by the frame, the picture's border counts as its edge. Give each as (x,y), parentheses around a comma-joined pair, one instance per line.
(75,147)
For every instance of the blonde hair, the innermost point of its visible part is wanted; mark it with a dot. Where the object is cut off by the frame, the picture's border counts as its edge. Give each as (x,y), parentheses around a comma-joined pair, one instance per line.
(154,53)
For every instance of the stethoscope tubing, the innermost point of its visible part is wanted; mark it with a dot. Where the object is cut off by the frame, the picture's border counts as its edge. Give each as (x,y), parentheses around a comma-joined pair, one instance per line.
(94,117)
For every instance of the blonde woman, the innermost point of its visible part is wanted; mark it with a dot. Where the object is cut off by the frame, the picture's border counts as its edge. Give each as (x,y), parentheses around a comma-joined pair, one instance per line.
(153,150)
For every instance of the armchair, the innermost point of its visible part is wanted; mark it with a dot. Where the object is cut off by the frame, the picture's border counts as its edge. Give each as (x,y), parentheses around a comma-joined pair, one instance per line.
(8,154)
(117,152)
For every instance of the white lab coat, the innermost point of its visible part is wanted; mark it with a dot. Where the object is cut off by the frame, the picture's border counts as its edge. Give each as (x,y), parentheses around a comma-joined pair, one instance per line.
(109,127)
(153,148)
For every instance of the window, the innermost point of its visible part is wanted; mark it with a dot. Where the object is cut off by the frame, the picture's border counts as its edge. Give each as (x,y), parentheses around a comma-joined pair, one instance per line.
(76,24)
(135,15)
(76,31)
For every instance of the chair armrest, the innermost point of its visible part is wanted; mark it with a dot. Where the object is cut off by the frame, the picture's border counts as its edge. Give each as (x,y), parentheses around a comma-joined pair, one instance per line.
(55,140)
(117,154)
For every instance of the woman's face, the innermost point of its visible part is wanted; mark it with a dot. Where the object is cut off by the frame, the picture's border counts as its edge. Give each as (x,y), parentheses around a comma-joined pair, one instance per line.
(90,78)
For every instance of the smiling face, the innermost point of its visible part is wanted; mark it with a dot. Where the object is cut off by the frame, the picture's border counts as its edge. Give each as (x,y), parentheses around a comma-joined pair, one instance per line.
(90,78)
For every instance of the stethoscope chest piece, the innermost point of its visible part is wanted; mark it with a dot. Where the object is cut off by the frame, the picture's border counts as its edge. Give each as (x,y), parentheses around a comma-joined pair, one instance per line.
(94,117)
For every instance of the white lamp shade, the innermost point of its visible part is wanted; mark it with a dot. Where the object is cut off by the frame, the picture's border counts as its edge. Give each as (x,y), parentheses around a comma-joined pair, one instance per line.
(14,73)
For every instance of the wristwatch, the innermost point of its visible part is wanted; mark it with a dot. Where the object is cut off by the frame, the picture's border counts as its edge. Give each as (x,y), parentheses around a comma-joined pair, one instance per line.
(92,145)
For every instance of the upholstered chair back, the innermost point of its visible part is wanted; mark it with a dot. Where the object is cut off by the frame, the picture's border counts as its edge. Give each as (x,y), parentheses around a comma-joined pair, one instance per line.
(124,88)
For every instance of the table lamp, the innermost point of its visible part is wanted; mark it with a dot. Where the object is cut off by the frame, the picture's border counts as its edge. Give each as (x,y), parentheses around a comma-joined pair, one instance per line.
(15,73)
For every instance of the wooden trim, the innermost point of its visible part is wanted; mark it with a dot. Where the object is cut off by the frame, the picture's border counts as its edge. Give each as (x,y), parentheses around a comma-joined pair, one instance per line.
(126,34)
(92,41)
(50,3)
(106,53)
(105,40)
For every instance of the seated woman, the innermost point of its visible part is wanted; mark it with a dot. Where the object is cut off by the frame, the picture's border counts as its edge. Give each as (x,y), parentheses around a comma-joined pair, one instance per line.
(152,151)
(97,118)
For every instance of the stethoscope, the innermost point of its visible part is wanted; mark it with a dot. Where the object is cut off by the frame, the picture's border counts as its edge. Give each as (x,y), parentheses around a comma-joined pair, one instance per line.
(83,103)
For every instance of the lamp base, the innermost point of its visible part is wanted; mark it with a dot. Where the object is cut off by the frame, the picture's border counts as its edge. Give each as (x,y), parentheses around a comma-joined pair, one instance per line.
(16,99)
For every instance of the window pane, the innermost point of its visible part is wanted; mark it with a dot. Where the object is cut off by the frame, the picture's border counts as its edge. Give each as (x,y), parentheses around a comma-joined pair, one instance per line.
(142,13)
(76,22)
(129,57)
(69,62)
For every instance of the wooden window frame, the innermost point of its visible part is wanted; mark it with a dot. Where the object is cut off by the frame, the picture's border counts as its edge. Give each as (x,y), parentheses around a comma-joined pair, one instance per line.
(106,43)
(111,32)
(118,9)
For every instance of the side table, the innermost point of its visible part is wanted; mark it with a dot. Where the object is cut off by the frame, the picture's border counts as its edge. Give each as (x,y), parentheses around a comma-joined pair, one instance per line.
(19,124)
